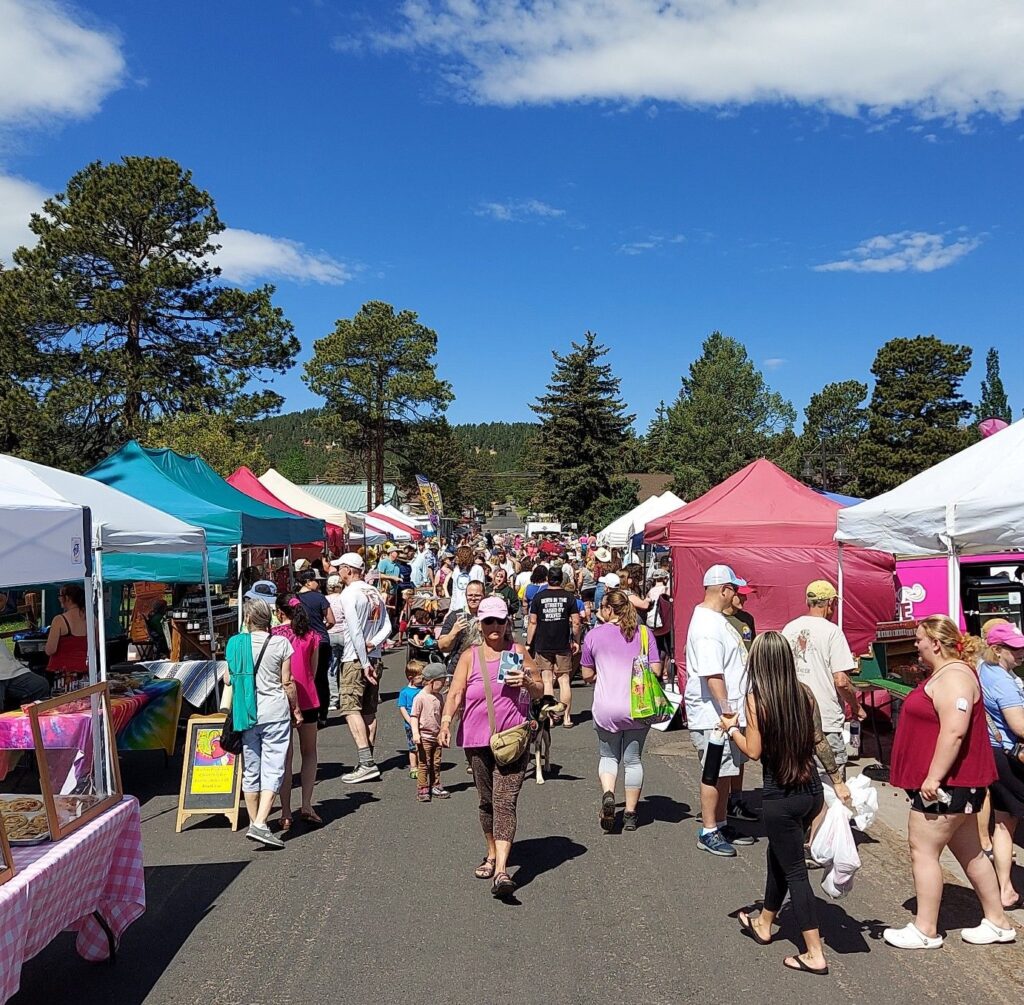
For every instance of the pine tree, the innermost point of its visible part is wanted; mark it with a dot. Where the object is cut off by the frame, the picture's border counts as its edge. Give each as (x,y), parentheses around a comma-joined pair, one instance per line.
(916,416)
(834,422)
(993,404)
(583,429)
(725,417)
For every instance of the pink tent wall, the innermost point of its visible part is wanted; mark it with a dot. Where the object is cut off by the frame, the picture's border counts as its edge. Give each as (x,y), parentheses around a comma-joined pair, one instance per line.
(777,534)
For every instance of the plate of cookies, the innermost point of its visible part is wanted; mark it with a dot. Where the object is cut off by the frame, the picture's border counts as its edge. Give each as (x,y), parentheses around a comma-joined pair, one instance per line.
(24,819)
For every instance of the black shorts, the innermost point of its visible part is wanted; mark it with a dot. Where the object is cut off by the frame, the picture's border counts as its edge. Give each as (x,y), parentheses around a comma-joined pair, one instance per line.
(1008,789)
(310,715)
(964,800)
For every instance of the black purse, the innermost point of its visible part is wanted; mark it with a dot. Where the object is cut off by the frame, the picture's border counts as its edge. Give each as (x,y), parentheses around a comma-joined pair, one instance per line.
(231,738)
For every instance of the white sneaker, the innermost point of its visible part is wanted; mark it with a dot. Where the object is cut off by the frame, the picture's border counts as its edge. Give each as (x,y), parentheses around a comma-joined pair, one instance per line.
(986,933)
(911,937)
(362,773)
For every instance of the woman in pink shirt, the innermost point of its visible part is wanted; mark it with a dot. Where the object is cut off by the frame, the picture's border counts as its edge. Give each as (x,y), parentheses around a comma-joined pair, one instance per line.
(295,627)
(497,785)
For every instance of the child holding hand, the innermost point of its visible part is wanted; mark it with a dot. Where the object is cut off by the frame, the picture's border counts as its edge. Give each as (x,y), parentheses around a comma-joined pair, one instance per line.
(414,675)
(426,724)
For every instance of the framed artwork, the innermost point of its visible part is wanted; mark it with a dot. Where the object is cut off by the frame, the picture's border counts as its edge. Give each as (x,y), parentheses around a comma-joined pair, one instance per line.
(76,752)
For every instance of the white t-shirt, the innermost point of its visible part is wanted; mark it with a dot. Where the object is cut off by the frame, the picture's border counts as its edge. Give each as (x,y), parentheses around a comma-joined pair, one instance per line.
(336,632)
(523,581)
(367,624)
(460,580)
(820,650)
(713,648)
(653,595)
(271,701)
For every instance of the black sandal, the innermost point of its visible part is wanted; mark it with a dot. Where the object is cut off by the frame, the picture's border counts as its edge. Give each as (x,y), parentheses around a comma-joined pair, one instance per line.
(485,870)
(502,886)
(803,968)
(747,927)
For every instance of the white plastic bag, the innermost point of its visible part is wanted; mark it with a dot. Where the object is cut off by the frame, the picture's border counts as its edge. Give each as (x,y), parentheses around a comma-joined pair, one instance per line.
(833,846)
(864,797)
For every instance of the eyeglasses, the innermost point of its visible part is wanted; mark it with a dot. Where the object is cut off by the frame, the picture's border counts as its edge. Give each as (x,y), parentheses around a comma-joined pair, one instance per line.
(493,621)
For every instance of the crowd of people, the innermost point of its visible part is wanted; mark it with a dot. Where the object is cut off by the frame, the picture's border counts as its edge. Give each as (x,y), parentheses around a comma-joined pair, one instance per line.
(497,628)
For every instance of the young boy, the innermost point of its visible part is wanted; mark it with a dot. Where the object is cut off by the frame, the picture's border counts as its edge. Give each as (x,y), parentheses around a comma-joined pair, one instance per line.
(426,724)
(414,674)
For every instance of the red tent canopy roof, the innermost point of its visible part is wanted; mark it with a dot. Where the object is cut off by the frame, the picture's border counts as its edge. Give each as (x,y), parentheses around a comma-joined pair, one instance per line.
(738,510)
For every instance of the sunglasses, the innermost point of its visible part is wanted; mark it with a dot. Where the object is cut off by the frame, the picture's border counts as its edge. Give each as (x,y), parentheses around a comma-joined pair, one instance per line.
(493,621)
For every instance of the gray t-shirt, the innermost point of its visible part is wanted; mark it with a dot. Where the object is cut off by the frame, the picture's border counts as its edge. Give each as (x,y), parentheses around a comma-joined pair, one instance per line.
(9,666)
(271,701)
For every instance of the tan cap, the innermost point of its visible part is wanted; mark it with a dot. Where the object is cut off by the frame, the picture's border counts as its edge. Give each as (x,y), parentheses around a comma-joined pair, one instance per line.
(821,589)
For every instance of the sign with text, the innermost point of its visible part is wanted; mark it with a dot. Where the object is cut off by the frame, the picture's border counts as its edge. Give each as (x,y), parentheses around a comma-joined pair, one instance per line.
(211,778)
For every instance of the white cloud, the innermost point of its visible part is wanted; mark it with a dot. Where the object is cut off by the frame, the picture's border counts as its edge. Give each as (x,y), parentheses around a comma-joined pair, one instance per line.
(246,256)
(52,65)
(932,58)
(774,362)
(650,243)
(518,210)
(906,251)
(19,199)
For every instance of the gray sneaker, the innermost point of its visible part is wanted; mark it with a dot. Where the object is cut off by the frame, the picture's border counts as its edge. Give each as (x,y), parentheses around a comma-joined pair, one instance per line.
(735,837)
(264,836)
(716,844)
(362,773)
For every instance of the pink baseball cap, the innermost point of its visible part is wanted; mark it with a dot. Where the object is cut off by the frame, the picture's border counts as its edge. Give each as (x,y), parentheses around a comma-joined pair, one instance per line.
(1003,635)
(492,607)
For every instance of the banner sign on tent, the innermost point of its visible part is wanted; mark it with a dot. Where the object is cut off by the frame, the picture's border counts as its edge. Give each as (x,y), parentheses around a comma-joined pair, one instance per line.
(426,494)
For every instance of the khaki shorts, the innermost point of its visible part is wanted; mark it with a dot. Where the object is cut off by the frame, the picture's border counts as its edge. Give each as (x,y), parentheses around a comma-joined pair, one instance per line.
(557,663)
(357,694)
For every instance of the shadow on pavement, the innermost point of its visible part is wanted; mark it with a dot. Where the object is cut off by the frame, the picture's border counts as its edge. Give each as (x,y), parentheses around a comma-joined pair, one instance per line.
(663,809)
(960,908)
(179,898)
(334,809)
(536,856)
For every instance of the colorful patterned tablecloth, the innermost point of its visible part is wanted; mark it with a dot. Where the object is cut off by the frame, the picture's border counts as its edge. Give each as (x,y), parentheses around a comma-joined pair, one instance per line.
(58,886)
(198,677)
(155,726)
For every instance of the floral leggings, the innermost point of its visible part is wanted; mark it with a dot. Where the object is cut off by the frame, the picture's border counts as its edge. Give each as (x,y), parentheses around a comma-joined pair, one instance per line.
(498,786)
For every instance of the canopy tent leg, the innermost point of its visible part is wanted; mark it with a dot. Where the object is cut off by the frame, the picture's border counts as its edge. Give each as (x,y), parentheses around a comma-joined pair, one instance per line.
(90,629)
(238,557)
(839,585)
(291,570)
(209,623)
(101,624)
(953,583)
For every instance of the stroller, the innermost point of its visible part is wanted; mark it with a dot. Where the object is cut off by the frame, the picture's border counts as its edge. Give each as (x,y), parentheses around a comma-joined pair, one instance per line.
(425,614)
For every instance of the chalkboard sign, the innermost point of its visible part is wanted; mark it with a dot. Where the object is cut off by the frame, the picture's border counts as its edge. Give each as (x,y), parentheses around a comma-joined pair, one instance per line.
(211,778)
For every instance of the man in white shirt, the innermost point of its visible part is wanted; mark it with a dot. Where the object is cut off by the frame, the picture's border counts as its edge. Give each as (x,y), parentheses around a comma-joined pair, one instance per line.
(716,681)
(367,626)
(823,662)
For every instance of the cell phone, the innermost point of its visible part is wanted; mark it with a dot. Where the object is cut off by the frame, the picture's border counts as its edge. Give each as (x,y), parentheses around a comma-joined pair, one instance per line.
(509,661)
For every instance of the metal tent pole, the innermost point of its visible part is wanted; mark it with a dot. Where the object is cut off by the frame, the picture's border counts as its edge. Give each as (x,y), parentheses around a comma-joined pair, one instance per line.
(238,557)
(839,586)
(209,622)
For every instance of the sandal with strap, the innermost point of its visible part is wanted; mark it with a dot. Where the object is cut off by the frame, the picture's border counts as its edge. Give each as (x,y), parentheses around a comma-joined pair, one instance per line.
(311,817)
(747,927)
(503,886)
(802,968)
(485,870)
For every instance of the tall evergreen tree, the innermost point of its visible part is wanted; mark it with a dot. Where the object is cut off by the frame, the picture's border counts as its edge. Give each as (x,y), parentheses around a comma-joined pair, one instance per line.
(834,422)
(916,416)
(583,428)
(993,404)
(725,417)
(120,318)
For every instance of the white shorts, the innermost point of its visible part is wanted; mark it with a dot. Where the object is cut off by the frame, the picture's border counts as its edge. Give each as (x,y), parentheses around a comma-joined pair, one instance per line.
(732,757)
(264,752)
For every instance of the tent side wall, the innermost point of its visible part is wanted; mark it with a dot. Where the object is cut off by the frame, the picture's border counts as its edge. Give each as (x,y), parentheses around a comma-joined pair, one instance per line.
(779,578)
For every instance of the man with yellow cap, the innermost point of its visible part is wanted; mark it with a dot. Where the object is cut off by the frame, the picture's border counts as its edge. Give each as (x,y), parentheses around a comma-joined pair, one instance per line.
(823,662)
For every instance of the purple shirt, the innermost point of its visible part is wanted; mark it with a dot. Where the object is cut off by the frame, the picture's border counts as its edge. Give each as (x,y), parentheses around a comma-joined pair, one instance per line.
(606,649)
(511,705)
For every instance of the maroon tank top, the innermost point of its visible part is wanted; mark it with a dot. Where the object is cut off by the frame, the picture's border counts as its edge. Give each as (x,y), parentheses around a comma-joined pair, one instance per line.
(72,655)
(917,734)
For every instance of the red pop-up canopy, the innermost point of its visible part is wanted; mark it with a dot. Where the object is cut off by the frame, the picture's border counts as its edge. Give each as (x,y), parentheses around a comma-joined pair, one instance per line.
(245,481)
(778,535)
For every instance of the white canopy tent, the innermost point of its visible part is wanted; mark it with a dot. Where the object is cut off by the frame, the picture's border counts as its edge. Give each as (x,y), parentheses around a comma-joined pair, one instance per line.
(969,504)
(620,531)
(290,493)
(119,523)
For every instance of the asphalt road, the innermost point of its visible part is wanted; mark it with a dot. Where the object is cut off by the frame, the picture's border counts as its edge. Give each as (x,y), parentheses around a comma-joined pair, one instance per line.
(381,905)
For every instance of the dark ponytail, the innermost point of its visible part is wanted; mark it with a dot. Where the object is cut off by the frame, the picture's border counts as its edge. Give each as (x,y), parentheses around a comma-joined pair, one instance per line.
(295,611)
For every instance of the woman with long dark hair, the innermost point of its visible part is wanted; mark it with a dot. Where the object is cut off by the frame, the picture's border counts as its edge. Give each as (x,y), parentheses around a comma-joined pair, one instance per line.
(293,624)
(783,732)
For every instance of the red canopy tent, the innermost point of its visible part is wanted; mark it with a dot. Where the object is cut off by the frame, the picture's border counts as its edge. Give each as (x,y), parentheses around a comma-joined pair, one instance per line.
(245,481)
(778,535)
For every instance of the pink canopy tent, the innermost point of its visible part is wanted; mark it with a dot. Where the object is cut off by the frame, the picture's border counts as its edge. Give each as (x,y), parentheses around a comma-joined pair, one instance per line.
(778,535)
(245,481)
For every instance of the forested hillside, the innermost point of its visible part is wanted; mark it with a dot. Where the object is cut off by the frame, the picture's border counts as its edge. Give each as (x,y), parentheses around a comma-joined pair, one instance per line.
(506,443)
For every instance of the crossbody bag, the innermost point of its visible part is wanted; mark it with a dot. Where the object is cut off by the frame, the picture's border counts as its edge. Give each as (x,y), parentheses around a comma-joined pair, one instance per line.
(509,745)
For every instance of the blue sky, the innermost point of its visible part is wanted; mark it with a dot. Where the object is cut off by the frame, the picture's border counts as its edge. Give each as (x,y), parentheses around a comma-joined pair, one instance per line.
(810,179)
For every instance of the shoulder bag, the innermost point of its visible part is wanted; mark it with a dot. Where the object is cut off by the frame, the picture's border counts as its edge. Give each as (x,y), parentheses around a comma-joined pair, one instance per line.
(509,745)
(231,738)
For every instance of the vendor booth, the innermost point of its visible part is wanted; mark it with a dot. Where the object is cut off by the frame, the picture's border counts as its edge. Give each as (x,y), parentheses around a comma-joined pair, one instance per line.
(620,532)
(305,502)
(778,535)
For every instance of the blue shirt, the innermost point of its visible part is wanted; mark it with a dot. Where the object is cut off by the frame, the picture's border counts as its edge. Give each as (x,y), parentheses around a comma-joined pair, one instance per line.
(406,697)
(532,590)
(1000,689)
(388,568)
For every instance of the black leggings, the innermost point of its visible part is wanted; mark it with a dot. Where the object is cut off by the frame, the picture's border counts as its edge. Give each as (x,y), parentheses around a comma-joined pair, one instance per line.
(323,688)
(785,820)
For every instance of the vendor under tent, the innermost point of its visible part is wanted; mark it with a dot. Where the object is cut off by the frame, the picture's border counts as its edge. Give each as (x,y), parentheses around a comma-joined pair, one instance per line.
(968,504)
(291,495)
(245,481)
(620,532)
(778,535)
(121,528)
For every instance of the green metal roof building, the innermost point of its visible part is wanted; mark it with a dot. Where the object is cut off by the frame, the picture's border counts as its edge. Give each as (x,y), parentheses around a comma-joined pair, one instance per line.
(350,498)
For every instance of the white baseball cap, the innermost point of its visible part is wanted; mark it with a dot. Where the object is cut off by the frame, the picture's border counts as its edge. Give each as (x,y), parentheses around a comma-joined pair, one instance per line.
(611,580)
(352,560)
(720,575)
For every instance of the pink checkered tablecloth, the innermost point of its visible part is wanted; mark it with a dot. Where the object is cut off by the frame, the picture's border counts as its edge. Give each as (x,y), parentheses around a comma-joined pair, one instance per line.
(58,886)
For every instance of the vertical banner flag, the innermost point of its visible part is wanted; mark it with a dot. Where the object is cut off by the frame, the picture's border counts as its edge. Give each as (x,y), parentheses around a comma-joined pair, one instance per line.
(426,495)
(438,501)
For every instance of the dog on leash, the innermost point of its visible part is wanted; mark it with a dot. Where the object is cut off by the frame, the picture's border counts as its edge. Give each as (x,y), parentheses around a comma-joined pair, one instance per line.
(541,712)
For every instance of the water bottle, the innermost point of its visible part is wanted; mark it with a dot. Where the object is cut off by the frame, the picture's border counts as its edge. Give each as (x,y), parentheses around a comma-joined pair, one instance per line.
(713,757)
(854,737)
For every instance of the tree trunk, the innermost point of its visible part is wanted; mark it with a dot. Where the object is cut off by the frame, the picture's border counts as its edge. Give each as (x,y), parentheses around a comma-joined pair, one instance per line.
(133,396)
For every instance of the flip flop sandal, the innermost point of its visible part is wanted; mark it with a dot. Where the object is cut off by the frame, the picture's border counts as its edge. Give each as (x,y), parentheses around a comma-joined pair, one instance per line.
(747,927)
(803,968)
(567,724)
(502,886)
(311,817)
(286,824)
(485,870)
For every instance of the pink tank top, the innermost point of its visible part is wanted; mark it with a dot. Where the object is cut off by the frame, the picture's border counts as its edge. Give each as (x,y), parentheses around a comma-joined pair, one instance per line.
(511,705)
(304,660)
